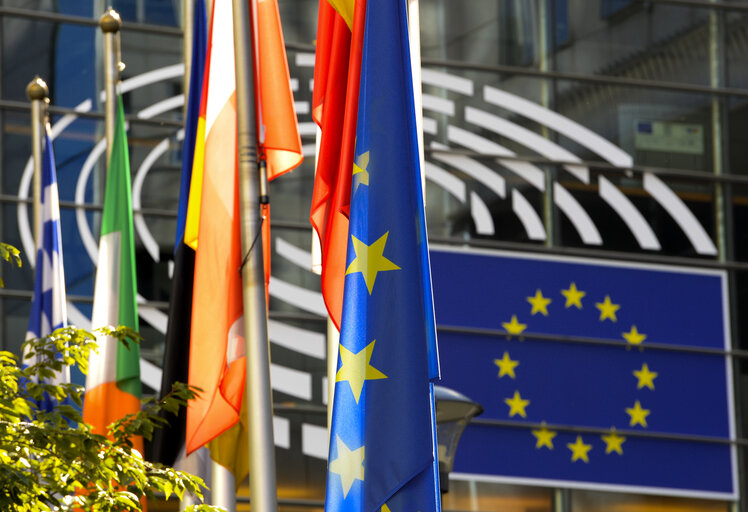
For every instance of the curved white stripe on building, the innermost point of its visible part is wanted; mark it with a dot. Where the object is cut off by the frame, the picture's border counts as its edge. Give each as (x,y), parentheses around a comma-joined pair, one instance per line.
(476,170)
(293,254)
(302,298)
(529,139)
(478,209)
(530,173)
(481,215)
(175,102)
(577,215)
(680,213)
(89,242)
(150,244)
(290,381)
(436,104)
(447,81)
(638,226)
(558,123)
(303,341)
(527,215)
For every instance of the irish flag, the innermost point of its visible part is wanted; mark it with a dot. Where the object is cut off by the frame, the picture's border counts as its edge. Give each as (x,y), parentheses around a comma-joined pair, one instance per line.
(113,382)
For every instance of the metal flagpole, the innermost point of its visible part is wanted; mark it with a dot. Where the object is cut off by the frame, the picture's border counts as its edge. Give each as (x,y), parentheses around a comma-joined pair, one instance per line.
(110,24)
(414,38)
(259,399)
(38,93)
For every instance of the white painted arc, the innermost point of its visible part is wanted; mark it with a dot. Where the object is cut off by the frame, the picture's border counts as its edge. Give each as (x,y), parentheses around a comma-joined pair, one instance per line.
(303,341)
(301,107)
(282,432)
(150,244)
(24,226)
(577,215)
(530,173)
(565,201)
(89,242)
(558,123)
(314,441)
(440,105)
(305,60)
(429,125)
(481,215)
(528,216)
(680,213)
(447,181)
(529,139)
(297,296)
(634,220)
(478,209)
(447,81)
(293,254)
(307,129)
(175,102)
(290,381)
(150,375)
(476,170)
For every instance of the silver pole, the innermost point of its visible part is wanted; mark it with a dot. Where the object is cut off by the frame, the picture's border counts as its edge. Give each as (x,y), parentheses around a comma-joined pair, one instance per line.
(262,486)
(188,12)
(37,92)
(110,24)
(223,491)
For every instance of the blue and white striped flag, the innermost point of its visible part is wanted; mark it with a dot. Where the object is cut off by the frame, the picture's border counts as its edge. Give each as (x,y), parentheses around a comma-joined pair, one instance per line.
(48,308)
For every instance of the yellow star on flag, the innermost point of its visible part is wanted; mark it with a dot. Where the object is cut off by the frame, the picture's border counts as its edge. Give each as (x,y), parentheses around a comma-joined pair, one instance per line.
(638,415)
(613,442)
(634,337)
(544,437)
(513,327)
(579,450)
(517,405)
(506,365)
(607,309)
(355,368)
(369,260)
(360,171)
(349,465)
(645,377)
(573,296)
(539,303)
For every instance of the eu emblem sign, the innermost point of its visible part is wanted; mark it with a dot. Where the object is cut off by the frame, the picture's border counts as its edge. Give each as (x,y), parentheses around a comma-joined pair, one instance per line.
(593,374)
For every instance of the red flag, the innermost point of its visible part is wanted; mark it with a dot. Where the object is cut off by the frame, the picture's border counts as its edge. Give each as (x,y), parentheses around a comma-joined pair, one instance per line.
(335,107)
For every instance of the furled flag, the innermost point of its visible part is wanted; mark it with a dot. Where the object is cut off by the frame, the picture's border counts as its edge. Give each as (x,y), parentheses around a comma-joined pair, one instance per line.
(48,308)
(113,382)
(217,348)
(168,441)
(382,442)
(337,70)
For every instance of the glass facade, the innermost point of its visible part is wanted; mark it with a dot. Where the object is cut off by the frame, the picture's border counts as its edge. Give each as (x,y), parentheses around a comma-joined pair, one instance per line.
(617,125)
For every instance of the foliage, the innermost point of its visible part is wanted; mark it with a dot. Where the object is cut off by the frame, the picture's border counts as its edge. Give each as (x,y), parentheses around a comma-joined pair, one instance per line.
(50,460)
(11,254)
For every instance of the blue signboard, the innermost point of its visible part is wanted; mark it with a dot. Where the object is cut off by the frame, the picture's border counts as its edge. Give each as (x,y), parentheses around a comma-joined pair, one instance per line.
(597,374)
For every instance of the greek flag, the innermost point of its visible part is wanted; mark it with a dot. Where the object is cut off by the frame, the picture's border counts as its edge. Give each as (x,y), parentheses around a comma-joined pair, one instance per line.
(48,309)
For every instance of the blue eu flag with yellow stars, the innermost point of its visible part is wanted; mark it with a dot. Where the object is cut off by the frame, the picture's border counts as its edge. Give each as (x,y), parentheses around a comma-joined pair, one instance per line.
(593,374)
(382,443)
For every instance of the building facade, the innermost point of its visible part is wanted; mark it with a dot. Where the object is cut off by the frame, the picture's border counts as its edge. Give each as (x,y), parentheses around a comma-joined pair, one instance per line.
(606,131)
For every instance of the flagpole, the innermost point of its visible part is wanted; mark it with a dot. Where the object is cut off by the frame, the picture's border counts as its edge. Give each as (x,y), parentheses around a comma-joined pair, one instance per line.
(259,399)
(414,40)
(37,92)
(110,24)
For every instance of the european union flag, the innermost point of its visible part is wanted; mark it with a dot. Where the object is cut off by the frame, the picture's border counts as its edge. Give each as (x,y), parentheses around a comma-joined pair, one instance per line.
(593,374)
(382,446)
(48,307)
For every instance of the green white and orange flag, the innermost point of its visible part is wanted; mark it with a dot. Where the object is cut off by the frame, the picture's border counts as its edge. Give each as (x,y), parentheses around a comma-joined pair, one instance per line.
(113,383)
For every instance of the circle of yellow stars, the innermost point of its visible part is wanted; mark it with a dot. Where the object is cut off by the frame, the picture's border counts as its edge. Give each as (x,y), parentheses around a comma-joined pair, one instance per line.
(517,404)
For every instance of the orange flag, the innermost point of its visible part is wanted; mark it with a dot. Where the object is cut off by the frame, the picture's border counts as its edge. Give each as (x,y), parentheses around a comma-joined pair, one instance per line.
(217,362)
(335,107)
